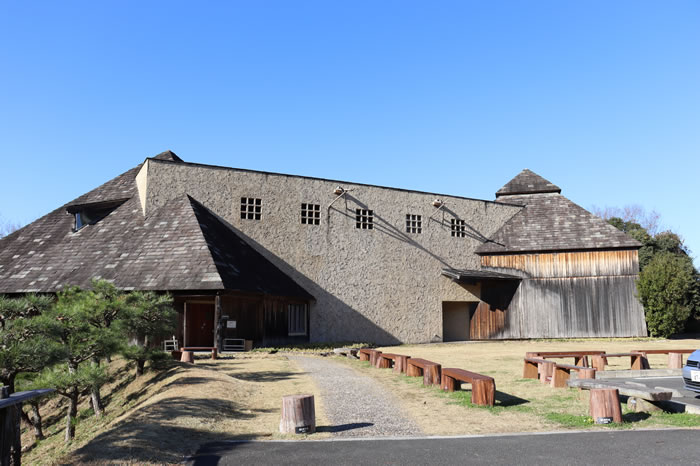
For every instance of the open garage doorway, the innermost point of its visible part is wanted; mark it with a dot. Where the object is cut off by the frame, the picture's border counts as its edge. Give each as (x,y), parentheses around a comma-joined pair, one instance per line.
(456,316)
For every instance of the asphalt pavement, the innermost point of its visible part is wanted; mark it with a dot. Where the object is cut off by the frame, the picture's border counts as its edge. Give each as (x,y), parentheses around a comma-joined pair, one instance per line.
(641,447)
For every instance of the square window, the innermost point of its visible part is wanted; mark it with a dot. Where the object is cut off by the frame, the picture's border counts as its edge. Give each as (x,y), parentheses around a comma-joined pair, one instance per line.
(310,214)
(414,224)
(458,228)
(364,219)
(251,208)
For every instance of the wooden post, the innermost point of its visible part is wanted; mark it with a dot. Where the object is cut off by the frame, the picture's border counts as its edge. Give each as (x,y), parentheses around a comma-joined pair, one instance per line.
(400,363)
(187,356)
(298,414)
(605,405)
(547,371)
(431,374)
(599,362)
(675,360)
(184,325)
(217,324)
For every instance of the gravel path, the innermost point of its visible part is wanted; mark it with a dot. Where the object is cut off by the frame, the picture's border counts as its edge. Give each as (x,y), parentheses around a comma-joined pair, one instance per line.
(356,405)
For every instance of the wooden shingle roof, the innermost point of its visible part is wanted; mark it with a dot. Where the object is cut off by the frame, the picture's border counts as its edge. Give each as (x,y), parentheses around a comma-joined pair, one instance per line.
(551,222)
(181,246)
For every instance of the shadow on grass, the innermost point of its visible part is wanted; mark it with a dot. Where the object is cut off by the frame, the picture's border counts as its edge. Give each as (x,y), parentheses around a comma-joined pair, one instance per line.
(344,427)
(505,400)
(153,437)
(263,376)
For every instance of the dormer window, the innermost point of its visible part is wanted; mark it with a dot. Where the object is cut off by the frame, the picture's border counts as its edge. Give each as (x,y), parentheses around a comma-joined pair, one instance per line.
(89,214)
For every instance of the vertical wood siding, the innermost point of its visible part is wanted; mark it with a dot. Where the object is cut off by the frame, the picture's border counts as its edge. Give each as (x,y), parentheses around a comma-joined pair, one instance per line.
(573,294)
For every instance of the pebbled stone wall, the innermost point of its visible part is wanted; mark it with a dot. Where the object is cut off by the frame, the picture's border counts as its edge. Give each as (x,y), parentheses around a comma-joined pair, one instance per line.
(382,285)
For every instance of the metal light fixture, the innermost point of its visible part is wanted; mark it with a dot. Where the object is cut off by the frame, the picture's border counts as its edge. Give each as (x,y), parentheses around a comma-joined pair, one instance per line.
(338,191)
(437,203)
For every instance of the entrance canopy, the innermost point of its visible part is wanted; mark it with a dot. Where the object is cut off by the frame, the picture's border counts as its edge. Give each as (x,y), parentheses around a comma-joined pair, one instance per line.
(474,276)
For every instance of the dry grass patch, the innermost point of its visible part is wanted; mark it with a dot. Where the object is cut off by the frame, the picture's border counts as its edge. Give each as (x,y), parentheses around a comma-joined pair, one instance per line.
(521,404)
(161,418)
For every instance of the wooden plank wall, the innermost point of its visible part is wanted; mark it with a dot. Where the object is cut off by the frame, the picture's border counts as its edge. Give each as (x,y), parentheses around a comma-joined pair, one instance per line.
(572,294)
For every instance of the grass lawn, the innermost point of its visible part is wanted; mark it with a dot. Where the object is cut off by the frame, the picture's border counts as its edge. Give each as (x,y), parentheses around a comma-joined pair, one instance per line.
(521,404)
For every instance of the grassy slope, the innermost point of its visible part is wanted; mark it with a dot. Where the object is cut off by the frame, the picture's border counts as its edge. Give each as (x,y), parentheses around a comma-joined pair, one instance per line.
(162,417)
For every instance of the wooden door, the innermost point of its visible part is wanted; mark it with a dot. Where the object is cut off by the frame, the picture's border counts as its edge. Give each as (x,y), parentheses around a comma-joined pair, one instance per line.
(199,324)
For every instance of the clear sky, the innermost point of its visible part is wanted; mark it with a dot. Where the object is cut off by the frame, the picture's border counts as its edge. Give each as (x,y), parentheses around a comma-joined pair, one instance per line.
(600,97)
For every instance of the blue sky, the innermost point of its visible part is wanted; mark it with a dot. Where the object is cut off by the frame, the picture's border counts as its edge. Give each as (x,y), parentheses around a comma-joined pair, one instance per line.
(599,97)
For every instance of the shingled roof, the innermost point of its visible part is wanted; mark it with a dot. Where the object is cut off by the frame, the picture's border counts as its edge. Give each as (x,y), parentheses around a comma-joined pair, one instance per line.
(527,182)
(551,222)
(181,246)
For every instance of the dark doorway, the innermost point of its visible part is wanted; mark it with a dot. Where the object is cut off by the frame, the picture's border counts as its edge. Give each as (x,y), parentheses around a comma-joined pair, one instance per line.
(199,324)
(455,320)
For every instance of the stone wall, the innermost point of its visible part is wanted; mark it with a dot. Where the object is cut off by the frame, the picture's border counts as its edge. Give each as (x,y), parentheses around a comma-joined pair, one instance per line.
(382,285)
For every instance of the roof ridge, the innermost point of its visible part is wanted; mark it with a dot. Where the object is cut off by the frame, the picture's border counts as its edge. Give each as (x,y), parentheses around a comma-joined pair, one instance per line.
(527,182)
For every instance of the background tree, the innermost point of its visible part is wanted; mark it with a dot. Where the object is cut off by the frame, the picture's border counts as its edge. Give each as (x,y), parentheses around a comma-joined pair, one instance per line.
(668,285)
(150,317)
(8,227)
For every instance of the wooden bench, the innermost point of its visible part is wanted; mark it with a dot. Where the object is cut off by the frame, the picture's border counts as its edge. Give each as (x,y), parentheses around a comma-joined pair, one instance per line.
(562,373)
(675,357)
(580,357)
(213,349)
(388,360)
(538,367)
(415,367)
(600,360)
(580,360)
(371,355)
(483,386)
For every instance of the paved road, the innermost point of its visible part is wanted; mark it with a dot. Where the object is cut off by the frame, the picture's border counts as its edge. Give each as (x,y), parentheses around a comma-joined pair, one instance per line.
(660,447)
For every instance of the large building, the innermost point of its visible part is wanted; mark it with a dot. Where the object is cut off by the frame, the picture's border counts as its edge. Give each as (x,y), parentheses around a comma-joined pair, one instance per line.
(281,258)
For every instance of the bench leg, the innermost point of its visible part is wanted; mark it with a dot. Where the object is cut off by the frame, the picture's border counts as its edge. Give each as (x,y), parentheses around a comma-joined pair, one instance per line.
(599,362)
(675,360)
(581,361)
(413,371)
(383,363)
(364,357)
(449,383)
(530,370)
(483,392)
(214,353)
(546,371)
(431,375)
(559,377)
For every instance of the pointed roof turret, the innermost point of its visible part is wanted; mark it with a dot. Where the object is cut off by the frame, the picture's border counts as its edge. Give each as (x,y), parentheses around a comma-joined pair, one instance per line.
(527,182)
(168,155)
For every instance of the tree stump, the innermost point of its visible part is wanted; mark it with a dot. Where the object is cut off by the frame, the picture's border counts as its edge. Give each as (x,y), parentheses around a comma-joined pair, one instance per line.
(547,372)
(187,356)
(431,374)
(298,414)
(605,405)
(675,360)
(400,363)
